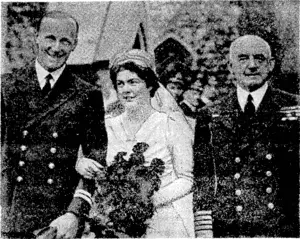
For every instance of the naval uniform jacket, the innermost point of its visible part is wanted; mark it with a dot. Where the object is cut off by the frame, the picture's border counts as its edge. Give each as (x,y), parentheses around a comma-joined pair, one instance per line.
(247,171)
(40,141)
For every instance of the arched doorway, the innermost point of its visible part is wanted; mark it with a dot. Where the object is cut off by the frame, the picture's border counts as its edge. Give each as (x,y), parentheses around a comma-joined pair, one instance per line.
(171,49)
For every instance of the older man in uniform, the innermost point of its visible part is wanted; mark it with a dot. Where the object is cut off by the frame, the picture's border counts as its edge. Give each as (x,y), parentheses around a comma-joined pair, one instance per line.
(247,153)
(47,113)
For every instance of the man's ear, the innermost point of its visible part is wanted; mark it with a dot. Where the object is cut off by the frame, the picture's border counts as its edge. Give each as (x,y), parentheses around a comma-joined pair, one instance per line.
(230,68)
(271,63)
(37,38)
(75,44)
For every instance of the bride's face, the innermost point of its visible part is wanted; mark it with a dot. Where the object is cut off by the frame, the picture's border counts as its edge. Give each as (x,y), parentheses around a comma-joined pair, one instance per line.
(132,90)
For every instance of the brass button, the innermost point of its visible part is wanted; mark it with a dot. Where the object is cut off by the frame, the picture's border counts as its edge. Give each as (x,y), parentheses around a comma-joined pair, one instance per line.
(269,156)
(51,165)
(23,147)
(239,208)
(50,181)
(237,176)
(269,173)
(270,205)
(55,135)
(269,190)
(238,192)
(237,159)
(53,150)
(19,179)
(21,163)
(25,132)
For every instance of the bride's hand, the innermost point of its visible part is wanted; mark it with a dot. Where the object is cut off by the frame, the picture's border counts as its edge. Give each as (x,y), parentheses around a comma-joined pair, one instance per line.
(88,168)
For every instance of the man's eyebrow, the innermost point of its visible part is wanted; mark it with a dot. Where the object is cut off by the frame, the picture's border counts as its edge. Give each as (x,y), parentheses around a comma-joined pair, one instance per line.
(260,55)
(49,36)
(66,39)
(243,55)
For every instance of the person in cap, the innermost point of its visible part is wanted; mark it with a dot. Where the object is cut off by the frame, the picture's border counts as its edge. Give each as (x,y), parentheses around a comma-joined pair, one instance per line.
(175,85)
(192,102)
(192,99)
(247,153)
(168,136)
(175,78)
(47,113)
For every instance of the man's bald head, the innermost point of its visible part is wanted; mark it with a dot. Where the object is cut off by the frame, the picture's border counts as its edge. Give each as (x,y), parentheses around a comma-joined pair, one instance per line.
(250,62)
(249,41)
(59,15)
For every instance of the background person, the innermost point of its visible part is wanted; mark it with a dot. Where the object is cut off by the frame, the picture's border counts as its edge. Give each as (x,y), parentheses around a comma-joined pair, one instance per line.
(175,78)
(175,85)
(47,112)
(210,92)
(247,153)
(192,99)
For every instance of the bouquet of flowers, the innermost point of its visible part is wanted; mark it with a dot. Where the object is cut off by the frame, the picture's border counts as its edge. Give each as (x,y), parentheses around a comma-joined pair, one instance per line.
(122,202)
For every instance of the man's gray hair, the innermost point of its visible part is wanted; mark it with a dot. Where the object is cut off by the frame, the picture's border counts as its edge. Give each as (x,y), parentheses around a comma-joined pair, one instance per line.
(241,39)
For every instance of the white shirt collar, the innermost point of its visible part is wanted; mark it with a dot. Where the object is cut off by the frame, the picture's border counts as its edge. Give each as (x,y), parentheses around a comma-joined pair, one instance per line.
(257,95)
(42,73)
(193,108)
(205,99)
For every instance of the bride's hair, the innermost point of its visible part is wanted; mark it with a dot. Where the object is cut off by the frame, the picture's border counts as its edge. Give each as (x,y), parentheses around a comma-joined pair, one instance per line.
(144,73)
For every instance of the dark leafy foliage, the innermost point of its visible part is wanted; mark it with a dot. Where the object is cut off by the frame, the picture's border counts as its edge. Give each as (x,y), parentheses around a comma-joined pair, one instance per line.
(21,21)
(123,196)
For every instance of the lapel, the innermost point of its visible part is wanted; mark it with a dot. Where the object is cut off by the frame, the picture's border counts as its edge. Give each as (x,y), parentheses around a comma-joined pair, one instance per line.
(63,90)
(29,89)
(40,106)
(227,113)
(267,113)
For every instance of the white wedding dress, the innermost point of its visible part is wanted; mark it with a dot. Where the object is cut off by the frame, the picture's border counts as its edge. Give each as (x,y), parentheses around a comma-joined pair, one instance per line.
(169,138)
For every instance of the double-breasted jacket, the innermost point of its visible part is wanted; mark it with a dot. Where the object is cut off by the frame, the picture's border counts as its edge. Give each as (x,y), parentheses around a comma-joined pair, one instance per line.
(40,141)
(247,170)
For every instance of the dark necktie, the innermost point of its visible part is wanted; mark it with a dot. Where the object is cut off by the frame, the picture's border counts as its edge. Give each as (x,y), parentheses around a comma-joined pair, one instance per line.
(47,86)
(249,107)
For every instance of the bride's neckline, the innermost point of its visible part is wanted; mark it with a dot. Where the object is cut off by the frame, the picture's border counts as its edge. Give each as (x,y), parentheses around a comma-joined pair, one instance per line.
(131,130)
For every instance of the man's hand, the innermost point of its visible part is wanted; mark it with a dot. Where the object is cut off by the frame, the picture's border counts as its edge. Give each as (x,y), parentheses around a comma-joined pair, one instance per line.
(67,226)
(88,168)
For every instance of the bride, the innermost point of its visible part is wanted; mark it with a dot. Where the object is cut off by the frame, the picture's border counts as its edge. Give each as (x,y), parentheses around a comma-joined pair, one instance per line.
(167,134)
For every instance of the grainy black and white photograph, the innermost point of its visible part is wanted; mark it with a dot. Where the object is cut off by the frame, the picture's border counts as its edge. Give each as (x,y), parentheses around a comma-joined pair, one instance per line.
(150,119)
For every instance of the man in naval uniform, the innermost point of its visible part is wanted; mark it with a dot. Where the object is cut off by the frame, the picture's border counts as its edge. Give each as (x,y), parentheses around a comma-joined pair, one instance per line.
(47,113)
(247,153)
